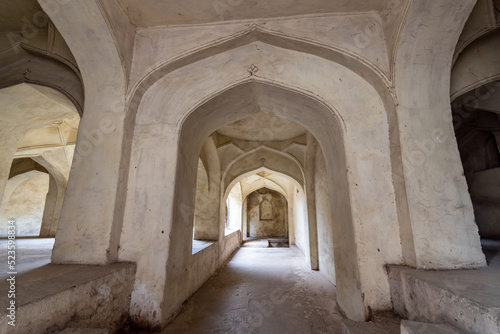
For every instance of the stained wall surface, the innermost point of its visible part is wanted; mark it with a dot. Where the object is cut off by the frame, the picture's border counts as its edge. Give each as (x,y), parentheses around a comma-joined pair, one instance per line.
(267,214)
(359,79)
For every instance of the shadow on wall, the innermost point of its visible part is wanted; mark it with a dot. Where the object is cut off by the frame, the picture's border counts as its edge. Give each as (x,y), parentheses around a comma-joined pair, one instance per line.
(478,137)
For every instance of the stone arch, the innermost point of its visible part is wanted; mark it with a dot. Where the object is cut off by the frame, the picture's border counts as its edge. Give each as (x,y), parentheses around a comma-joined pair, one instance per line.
(29,210)
(212,116)
(283,163)
(166,113)
(258,33)
(279,186)
(477,65)
(29,108)
(57,170)
(244,175)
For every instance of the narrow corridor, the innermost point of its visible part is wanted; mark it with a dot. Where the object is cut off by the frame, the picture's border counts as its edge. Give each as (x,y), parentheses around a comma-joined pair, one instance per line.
(262,290)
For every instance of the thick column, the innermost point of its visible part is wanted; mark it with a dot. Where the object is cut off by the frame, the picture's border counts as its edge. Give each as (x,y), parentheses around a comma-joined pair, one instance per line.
(56,163)
(86,233)
(309,170)
(442,219)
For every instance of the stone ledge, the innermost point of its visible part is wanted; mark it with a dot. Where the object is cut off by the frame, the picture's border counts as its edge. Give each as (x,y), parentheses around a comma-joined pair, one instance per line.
(54,297)
(466,299)
(413,327)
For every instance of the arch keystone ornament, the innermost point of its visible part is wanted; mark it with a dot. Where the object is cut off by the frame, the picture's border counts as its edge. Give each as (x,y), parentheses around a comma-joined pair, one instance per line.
(253,69)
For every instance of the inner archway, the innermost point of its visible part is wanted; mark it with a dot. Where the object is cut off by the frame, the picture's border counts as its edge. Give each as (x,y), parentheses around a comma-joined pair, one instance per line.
(355,168)
(238,103)
(39,129)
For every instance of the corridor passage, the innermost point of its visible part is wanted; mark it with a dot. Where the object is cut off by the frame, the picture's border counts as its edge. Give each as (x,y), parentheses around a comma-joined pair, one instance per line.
(262,290)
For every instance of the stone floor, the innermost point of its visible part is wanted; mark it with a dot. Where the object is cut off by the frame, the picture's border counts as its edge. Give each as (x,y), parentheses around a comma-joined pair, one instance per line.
(262,291)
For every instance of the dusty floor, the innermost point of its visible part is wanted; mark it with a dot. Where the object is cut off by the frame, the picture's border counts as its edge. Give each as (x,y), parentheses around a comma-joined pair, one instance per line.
(262,290)
(267,290)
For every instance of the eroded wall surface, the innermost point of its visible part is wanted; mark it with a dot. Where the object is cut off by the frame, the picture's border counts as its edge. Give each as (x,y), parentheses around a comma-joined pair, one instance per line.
(378,107)
(267,212)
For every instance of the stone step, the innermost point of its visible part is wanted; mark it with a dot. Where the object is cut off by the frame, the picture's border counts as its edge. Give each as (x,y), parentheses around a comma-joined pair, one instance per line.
(413,327)
(356,327)
(84,331)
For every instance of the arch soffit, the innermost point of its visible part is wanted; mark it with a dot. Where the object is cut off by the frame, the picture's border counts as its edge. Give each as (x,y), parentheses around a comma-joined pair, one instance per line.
(486,47)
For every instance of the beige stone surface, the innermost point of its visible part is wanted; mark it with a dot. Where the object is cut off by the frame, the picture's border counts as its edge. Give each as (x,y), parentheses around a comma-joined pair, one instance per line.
(342,107)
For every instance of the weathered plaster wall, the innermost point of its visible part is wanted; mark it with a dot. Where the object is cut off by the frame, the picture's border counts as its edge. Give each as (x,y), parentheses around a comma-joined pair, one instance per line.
(267,214)
(153,118)
(230,244)
(289,68)
(89,228)
(324,220)
(442,221)
(90,297)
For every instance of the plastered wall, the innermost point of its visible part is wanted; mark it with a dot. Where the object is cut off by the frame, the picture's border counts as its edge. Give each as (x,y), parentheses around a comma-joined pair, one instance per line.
(267,214)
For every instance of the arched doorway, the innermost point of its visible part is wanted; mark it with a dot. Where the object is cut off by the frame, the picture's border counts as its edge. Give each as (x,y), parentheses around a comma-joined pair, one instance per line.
(39,127)
(475,102)
(230,102)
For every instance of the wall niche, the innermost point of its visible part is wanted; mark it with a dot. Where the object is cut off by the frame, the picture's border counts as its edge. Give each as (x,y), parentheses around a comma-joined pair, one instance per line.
(267,214)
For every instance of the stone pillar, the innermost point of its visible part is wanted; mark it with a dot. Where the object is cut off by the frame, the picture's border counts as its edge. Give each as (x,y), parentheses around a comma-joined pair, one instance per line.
(87,232)
(56,163)
(309,171)
(442,218)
